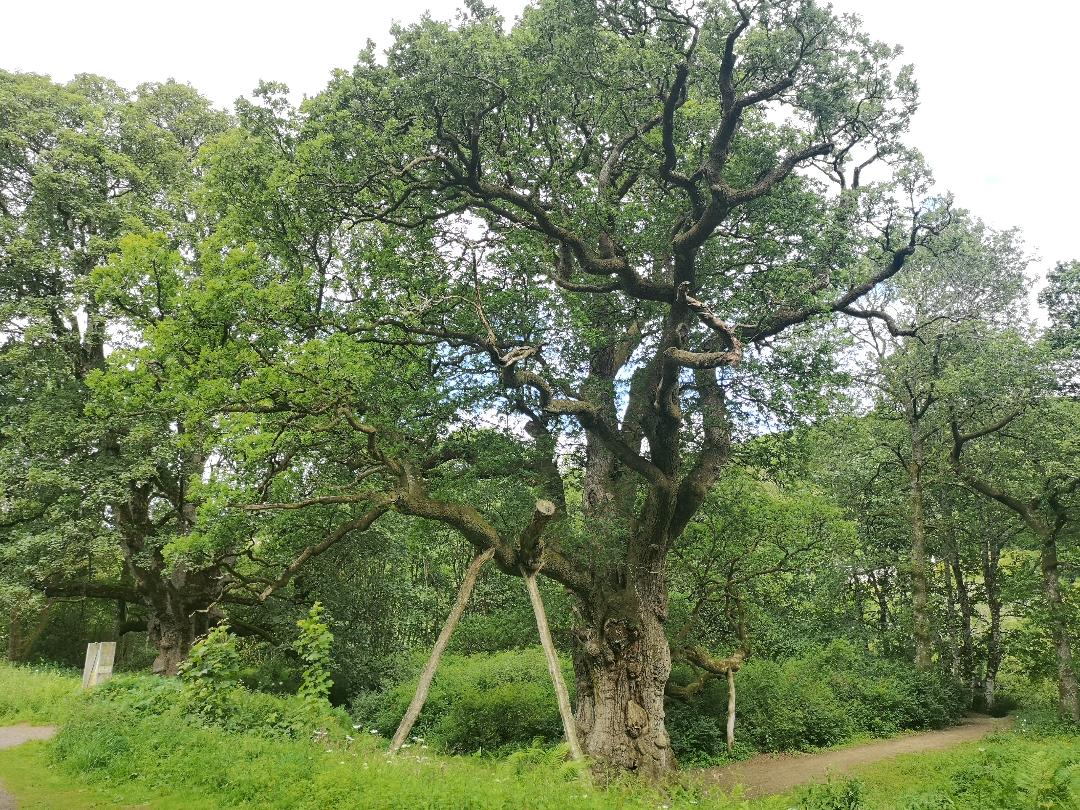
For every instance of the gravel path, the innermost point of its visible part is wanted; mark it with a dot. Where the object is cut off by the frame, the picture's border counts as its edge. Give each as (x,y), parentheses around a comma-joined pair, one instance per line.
(17,735)
(768,774)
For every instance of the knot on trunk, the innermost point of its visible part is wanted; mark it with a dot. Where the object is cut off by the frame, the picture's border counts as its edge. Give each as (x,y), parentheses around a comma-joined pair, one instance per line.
(637,719)
(618,634)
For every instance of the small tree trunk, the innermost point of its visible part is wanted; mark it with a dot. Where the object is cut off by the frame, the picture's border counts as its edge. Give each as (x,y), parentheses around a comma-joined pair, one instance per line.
(920,590)
(966,658)
(121,618)
(730,710)
(14,646)
(881,595)
(1068,695)
(951,628)
(991,557)
(967,641)
(428,673)
(860,607)
(554,669)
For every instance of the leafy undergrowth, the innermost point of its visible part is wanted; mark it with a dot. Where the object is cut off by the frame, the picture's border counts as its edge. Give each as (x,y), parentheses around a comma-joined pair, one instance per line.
(136,742)
(822,698)
(1004,772)
(36,694)
(111,745)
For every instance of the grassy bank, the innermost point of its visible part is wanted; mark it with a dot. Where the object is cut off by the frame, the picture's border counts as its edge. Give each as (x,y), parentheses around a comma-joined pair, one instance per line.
(39,695)
(136,744)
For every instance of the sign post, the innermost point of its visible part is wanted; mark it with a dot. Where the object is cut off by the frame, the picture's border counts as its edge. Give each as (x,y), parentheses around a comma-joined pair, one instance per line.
(99,662)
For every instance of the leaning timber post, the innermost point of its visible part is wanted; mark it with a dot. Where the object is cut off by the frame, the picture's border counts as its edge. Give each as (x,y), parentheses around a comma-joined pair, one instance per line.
(554,670)
(731,710)
(428,673)
(530,553)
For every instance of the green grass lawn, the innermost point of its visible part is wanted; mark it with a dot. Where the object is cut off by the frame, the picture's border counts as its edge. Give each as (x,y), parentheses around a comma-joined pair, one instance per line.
(130,747)
(32,775)
(1006,772)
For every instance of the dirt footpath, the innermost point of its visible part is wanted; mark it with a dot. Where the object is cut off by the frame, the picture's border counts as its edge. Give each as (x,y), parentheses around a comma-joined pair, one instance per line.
(17,735)
(768,774)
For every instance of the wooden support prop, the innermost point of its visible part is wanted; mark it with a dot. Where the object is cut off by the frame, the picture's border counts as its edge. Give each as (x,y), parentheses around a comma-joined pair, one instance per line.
(554,670)
(530,553)
(428,673)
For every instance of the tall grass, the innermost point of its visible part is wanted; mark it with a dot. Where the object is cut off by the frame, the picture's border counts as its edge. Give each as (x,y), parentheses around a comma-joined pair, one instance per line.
(36,694)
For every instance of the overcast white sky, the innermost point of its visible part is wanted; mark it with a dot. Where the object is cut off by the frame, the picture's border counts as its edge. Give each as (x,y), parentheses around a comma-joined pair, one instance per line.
(1000,98)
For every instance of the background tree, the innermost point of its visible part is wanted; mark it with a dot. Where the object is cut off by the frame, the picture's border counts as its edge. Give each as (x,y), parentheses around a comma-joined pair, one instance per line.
(1003,448)
(86,168)
(972,277)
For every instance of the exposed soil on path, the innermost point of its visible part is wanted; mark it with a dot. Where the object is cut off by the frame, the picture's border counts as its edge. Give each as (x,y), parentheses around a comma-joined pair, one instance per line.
(17,735)
(768,774)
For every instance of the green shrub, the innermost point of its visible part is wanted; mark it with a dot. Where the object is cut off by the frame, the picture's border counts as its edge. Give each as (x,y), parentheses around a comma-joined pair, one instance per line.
(848,794)
(211,674)
(699,738)
(314,646)
(1010,778)
(140,695)
(790,706)
(483,702)
(502,717)
(268,669)
(822,697)
(210,692)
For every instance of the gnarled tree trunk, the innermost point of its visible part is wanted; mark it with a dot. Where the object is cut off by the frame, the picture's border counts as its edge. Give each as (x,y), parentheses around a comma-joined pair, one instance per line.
(172,627)
(622,662)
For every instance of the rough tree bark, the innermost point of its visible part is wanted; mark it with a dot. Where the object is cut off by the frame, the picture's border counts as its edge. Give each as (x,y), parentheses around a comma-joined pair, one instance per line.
(622,663)
(1068,693)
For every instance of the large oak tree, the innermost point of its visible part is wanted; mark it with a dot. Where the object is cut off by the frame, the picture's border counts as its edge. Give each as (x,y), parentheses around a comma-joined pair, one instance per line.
(576,258)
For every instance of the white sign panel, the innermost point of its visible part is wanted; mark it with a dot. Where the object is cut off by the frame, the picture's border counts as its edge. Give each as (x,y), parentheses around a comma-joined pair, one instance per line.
(99,662)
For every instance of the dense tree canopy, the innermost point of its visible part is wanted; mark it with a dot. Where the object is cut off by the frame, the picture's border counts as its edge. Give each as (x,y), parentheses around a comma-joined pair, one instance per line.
(649,299)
